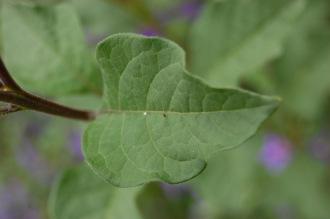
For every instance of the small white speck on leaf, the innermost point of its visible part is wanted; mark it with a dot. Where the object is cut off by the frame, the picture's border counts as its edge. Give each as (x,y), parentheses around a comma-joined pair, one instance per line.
(145,113)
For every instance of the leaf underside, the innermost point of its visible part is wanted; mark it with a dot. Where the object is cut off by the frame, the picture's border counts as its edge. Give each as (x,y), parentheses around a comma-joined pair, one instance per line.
(161,123)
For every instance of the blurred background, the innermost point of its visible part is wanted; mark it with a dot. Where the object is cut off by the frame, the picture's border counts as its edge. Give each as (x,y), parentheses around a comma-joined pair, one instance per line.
(283,172)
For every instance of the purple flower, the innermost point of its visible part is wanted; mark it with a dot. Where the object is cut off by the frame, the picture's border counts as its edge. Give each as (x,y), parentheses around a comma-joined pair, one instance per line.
(320,146)
(149,31)
(75,145)
(276,153)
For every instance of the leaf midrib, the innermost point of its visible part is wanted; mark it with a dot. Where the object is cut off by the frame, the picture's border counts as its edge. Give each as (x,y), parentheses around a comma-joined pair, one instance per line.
(111,111)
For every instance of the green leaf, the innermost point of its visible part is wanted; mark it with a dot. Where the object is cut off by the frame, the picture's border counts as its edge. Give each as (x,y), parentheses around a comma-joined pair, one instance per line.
(161,5)
(234,37)
(33,2)
(311,199)
(81,194)
(159,122)
(173,201)
(302,73)
(102,18)
(59,141)
(45,51)
(230,181)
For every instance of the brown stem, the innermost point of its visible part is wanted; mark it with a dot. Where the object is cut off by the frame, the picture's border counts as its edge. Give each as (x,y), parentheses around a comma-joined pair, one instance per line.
(6,79)
(11,93)
(32,102)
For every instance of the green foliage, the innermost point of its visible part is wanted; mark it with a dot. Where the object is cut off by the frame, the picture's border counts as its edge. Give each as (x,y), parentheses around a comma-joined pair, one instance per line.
(235,37)
(46,51)
(161,4)
(303,71)
(300,75)
(34,2)
(154,109)
(229,185)
(155,202)
(235,184)
(60,137)
(102,18)
(157,121)
(302,187)
(79,193)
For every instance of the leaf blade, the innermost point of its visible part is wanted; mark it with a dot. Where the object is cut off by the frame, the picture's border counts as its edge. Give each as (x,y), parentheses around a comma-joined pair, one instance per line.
(162,123)
(46,50)
(78,193)
(244,35)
